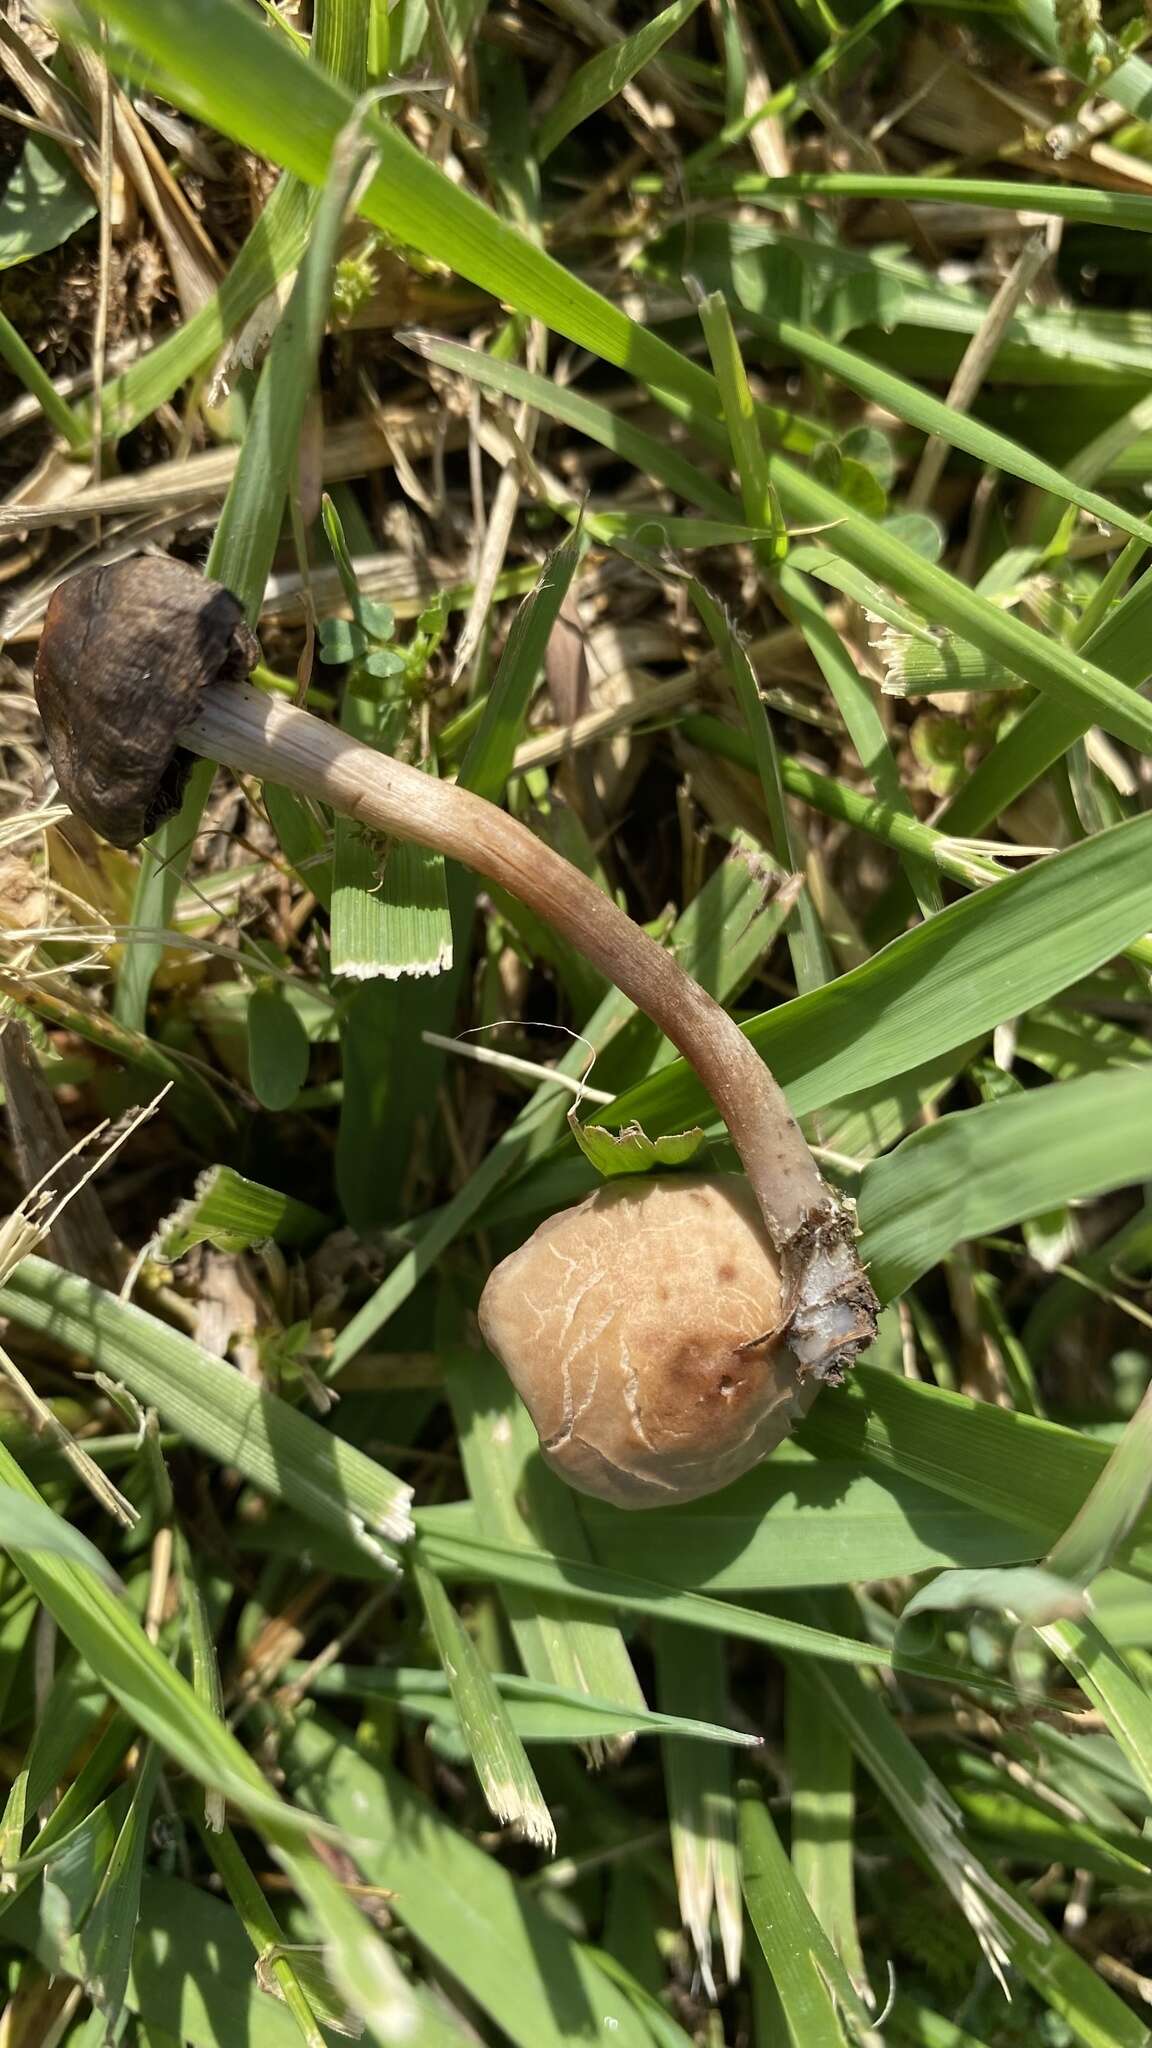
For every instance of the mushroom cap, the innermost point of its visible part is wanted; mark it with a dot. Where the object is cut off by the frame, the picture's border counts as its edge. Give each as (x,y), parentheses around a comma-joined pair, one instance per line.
(123,657)
(629,1326)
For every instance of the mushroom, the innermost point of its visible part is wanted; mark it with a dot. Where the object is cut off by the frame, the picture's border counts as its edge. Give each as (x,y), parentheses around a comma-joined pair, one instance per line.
(624,1326)
(124,655)
(155,648)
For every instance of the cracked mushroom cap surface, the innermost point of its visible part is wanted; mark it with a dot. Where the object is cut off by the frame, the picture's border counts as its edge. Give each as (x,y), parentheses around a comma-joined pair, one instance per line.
(629,1326)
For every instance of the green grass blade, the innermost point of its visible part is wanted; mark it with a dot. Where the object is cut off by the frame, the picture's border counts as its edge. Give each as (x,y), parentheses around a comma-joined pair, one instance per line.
(67,1723)
(931,415)
(982,1169)
(1065,202)
(793,94)
(823,1820)
(280,1450)
(488,762)
(472,1556)
(30,1525)
(1104,1674)
(204,1664)
(607,73)
(535,1982)
(279,1051)
(776,1529)
(340,30)
(1113,1507)
(951,980)
(233,1214)
(249,525)
(136,1673)
(701,1805)
(15,351)
(539,1712)
(1020,1469)
(809,1976)
(857,707)
(1069,677)
(1011,1930)
(295,118)
(738,411)
(389,914)
(262,1928)
(110,1928)
(806,943)
(515,1497)
(271,252)
(891,823)
(1045,731)
(45,203)
(653,457)
(505,1774)
(193,1981)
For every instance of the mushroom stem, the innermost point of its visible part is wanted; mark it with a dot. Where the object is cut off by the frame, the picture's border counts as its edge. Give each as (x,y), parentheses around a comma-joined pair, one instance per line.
(830,1310)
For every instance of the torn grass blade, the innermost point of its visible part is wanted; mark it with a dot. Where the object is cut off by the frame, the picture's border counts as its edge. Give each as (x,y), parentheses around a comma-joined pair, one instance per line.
(233,1214)
(501,1764)
(691,1675)
(390,914)
(557,1642)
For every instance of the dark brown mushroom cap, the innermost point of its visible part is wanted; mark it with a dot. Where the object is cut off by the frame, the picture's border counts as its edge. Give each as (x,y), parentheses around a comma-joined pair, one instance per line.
(629,1327)
(124,655)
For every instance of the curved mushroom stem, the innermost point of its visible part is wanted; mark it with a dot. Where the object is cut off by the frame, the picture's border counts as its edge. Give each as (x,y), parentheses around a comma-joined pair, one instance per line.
(831,1309)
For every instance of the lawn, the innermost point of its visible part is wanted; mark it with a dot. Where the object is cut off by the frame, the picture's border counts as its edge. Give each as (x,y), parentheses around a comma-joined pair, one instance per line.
(686,473)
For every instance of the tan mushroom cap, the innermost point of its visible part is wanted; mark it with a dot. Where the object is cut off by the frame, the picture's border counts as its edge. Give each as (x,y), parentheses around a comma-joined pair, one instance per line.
(623,1323)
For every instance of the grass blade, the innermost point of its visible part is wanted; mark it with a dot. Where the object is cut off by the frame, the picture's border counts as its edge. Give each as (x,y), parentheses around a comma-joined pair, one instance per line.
(1065,202)
(983,1169)
(110,1928)
(488,762)
(233,1214)
(278,1449)
(943,984)
(809,953)
(295,119)
(469,1556)
(809,1977)
(701,1805)
(932,416)
(857,707)
(516,1497)
(538,1711)
(823,1817)
(505,1774)
(1012,1932)
(607,73)
(1014,1466)
(1070,678)
(538,1985)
